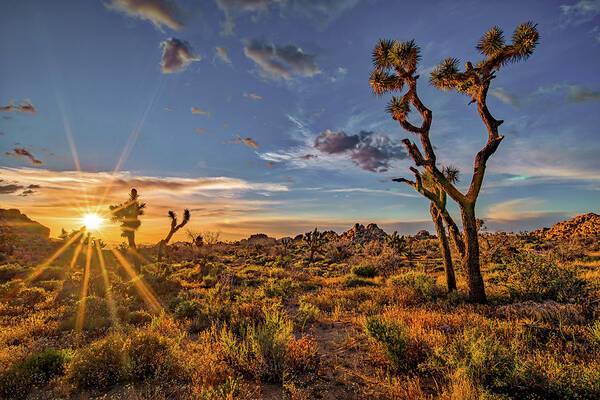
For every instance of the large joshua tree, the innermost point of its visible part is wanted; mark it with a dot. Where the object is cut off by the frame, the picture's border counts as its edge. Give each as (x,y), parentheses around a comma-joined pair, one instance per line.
(395,67)
(426,185)
(127,214)
(174,228)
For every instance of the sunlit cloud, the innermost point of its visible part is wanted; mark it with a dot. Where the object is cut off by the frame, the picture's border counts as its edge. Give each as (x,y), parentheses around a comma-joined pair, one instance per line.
(221,53)
(196,110)
(506,97)
(247,141)
(177,55)
(280,62)
(253,96)
(62,197)
(159,12)
(24,107)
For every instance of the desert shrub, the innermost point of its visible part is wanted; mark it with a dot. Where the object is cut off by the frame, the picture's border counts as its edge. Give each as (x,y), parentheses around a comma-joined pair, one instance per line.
(139,318)
(528,276)
(96,314)
(364,271)
(10,271)
(259,351)
(307,312)
(150,355)
(227,390)
(99,365)
(481,360)
(30,297)
(50,273)
(278,287)
(391,337)
(423,286)
(594,333)
(353,281)
(302,354)
(339,250)
(35,370)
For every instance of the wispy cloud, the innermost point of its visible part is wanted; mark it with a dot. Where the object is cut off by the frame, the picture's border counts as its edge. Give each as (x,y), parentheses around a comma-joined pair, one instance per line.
(253,96)
(177,55)
(24,107)
(280,62)
(221,53)
(196,110)
(574,93)
(159,12)
(19,152)
(581,12)
(516,209)
(506,97)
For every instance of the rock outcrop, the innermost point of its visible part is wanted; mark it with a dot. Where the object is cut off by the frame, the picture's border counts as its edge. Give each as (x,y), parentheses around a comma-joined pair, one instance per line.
(582,227)
(361,234)
(23,240)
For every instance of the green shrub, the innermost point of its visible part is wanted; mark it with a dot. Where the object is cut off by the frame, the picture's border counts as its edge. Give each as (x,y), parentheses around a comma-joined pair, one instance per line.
(35,370)
(307,312)
(528,276)
(594,333)
(482,360)
(150,355)
(391,337)
(98,366)
(352,281)
(423,286)
(30,297)
(364,271)
(95,314)
(139,318)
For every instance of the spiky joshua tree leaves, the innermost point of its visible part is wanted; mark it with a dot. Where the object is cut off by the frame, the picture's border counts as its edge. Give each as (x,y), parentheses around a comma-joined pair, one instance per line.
(127,214)
(314,241)
(400,245)
(395,65)
(173,228)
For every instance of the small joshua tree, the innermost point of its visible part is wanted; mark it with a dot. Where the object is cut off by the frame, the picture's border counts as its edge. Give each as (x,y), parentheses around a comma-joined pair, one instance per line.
(285,244)
(314,241)
(427,186)
(174,228)
(400,245)
(127,214)
(396,65)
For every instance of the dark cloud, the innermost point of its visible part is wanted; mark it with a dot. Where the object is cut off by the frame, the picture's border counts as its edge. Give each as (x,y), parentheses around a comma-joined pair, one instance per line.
(33,186)
(159,12)
(27,192)
(6,117)
(308,156)
(335,143)
(24,153)
(25,107)
(369,151)
(1,133)
(277,62)
(177,55)
(11,188)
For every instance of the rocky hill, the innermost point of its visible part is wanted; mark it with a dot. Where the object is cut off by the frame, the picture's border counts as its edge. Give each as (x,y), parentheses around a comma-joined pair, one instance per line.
(361,234)
(582,226)
(22,240)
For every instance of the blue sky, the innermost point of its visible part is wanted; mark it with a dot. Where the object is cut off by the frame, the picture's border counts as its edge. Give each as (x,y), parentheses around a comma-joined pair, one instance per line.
(256,108)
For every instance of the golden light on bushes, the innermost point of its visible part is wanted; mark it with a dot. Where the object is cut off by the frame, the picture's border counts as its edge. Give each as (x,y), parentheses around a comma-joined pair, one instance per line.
(92,222)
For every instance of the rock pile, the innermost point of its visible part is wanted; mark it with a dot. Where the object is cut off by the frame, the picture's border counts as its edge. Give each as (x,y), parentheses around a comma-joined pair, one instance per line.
(361,234)
(22,240)
(582,226)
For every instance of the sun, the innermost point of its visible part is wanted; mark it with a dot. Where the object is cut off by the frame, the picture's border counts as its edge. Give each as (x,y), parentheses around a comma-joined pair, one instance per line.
(92,222)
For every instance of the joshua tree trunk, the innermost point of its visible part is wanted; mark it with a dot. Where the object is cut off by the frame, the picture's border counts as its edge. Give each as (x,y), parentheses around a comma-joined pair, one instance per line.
(459,244)
(174,228)
(470,259)
(132,255)
(444,247)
